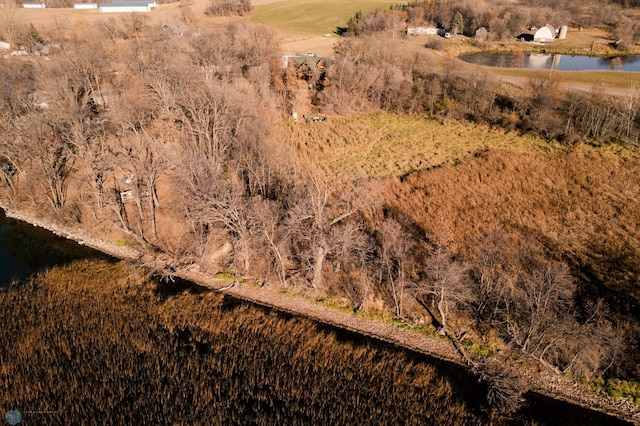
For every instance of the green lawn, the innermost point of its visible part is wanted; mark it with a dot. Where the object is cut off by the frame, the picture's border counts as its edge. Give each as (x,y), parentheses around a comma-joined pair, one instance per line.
(313,16)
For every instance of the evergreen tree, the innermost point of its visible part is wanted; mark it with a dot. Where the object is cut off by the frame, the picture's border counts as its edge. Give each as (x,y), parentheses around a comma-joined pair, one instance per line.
(457,23)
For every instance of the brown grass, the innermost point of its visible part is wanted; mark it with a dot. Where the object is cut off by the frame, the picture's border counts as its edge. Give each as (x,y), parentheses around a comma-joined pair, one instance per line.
(388,145)
(93,339)
(581,206)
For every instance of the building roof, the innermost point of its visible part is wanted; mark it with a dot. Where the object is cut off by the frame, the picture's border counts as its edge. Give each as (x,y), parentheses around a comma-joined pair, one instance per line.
(312,61)
(545,33)
(126,4)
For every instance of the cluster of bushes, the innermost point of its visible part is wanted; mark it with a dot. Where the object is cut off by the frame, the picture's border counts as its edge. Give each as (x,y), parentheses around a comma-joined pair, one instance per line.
(228,8)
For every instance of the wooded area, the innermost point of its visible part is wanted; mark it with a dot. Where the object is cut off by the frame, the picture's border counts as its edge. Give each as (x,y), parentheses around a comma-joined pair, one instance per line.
(167,142)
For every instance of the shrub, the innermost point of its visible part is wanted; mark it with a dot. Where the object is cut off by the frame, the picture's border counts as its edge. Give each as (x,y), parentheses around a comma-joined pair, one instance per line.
(228,8)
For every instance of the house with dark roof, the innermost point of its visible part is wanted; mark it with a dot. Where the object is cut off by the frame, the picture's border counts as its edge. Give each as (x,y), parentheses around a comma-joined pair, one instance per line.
(309,67)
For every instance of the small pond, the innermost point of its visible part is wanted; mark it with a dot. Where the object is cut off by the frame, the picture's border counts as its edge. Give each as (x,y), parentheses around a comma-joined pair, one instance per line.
(554,62)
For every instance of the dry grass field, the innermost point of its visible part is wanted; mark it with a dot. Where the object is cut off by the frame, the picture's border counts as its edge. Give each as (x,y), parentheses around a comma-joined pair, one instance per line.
(388,145)
(580,206)
(314,17)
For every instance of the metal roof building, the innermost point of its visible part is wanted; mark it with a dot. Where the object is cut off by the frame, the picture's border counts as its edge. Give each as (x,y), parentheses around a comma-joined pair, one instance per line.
(127,6)
(545,34)
(41,5)
(85,6)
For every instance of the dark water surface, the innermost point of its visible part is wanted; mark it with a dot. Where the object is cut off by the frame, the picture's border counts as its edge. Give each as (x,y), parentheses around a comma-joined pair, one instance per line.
(554,62)
(25,250)
(91,346)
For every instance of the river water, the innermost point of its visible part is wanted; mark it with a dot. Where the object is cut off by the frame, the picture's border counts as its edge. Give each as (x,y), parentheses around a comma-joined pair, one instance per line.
(93,350)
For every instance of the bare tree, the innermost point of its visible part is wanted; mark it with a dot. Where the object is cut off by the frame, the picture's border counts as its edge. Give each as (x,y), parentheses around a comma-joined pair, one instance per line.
(542,299)
(12,158)
(144,158)
(278,236)
(395,262)
(446,286)
(96,162)
(320,219)
(213,198)
(50,146)
(628,107)
(210,119)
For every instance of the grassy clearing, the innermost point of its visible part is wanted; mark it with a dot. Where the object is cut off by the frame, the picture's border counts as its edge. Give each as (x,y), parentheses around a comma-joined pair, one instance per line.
(312,16)
(618,388)
(387,145)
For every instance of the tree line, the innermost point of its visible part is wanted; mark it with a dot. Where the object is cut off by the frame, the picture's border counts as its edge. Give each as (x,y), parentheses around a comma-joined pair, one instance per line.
(364,77)
(504,20)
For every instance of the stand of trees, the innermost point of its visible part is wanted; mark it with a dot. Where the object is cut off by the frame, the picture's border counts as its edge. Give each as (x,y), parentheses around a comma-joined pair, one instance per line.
(404,83)
(169,142)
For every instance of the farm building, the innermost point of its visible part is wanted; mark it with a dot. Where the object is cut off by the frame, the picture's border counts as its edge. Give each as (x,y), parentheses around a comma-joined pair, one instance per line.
(545,34)
(85,6)
(34,5)
(127,6)
(482,34)
(416,31)
(563,32)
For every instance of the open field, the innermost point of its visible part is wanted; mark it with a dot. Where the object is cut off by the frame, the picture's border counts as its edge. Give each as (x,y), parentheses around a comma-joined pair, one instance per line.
(312,16)
(305,24)
(387,145)
(581,205)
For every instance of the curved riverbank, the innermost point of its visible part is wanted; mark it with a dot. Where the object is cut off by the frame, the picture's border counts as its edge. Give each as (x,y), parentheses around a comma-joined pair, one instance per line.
(542,384)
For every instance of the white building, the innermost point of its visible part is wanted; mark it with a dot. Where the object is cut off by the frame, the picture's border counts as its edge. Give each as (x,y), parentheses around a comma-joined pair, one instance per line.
(127,6)
(85,6)
(415,31)
(34,5)
(545,34)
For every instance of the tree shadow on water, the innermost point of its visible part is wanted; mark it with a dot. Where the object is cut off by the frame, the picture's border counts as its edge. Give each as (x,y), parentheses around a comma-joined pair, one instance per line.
(26,250)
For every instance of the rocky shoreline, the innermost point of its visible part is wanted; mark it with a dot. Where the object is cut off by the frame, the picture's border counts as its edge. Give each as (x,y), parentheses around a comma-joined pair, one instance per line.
(549,385)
